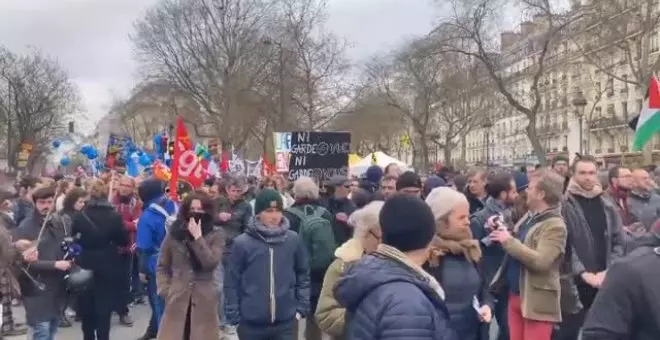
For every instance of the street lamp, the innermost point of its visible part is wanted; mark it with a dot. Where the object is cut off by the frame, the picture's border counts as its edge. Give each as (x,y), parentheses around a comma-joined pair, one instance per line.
(580,103)
(487,124)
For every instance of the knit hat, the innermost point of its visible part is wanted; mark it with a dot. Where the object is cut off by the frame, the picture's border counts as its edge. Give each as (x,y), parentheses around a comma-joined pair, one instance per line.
(373,174)
(433,182)
(521,181)
(408,179)
(267,198)
(407,223)
(559,158)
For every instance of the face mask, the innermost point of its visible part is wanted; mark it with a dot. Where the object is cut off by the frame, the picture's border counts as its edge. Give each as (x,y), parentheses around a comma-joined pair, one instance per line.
(203,217)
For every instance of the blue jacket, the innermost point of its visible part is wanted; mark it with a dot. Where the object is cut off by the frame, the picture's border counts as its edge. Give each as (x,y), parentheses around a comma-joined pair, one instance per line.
(387,300)
(493,254)
(267,276)
(151,231)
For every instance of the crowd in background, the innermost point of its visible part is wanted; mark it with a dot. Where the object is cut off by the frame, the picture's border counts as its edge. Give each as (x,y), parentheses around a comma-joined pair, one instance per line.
(546,253)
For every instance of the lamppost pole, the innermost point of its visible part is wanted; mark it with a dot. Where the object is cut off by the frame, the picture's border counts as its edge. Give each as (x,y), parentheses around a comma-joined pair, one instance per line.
(487,124)
(580,103)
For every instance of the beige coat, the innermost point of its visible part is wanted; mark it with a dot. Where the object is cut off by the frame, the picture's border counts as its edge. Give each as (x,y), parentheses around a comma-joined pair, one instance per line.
(540,254)
(180,286)
(330,315)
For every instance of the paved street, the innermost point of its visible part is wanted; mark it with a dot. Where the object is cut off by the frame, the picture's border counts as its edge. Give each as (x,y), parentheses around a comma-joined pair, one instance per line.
(139,313)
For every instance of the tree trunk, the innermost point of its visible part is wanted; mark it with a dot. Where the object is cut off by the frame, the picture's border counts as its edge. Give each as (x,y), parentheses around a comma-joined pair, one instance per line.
(464,148)
(534,140)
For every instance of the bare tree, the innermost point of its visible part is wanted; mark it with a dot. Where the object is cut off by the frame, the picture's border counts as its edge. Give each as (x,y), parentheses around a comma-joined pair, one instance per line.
(471,30)
(617,38)
(37,99)
(213,50)
(411,81)
(317,68)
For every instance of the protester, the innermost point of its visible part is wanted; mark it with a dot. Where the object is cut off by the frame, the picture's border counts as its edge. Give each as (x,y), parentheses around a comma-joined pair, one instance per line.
(372,178)
(530,270)
(393,170)
(62,188)
(455,264)
(502,194)
(431,183)
(157,212)
(100,231)
(409,183)
(627,306)
(387,294)
(314,224)
(387,187)
(267,281)
(23,205)
(189,255)
(129,207)
(644,203)
(361,198)
(43,309)
(281,185)
(596,240)
(340,206)
(460,183)
(8,283)
(559,165)
(619,186)
(330,315)
(476,190)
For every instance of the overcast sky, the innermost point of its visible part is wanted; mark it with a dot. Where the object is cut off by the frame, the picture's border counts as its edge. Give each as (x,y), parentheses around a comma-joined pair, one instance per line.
(90,37)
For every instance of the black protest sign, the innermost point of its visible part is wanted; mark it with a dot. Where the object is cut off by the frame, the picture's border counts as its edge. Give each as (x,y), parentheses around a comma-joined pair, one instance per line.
(319,155)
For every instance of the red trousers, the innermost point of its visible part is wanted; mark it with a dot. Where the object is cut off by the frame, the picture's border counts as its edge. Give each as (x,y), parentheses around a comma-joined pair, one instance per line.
(525,329)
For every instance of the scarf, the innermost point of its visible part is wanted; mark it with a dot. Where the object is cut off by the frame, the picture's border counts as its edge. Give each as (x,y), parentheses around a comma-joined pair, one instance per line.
(455,241)
(575,189)
(397,255)
(620,197)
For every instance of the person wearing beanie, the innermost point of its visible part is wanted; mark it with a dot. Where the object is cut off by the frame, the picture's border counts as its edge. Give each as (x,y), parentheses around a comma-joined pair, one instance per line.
(371,179)
(409,183)
(455,262)
(157,212)
(390,284)
(431,183)
(626,305)
(340,206)
(267,283)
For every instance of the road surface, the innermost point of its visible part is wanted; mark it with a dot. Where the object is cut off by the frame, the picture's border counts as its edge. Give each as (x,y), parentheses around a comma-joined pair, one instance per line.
(140,315)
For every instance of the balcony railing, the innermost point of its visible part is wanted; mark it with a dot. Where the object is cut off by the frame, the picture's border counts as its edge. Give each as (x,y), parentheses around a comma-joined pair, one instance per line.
(607,122)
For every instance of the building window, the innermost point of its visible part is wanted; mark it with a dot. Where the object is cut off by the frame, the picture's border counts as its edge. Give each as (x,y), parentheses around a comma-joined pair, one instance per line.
(624,110)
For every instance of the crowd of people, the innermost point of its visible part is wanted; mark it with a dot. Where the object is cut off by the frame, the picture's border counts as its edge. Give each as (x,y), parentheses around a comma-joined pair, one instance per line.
(563,252)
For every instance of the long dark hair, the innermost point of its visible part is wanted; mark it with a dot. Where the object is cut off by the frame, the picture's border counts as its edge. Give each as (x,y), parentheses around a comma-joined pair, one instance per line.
(204,198)
(72,197)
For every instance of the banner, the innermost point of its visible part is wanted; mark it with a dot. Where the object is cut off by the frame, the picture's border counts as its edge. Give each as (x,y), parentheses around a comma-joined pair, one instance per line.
(319,155)
(282,150)
(115,155)
(186,166)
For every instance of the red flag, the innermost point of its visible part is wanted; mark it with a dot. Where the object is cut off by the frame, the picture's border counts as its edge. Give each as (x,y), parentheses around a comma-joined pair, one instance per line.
(186,166)
(267,169)
(224,165)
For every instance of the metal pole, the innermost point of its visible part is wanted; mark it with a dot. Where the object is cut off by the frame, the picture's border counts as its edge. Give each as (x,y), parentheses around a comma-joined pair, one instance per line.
(581,122)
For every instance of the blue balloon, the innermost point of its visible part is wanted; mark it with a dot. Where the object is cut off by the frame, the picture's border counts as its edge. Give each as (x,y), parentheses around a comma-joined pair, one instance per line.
(64,161)
(145,160)
(56,144)
(92,154)
(86,149)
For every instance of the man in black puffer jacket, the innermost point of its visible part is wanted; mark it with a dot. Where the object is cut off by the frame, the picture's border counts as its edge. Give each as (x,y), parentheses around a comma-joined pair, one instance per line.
(626,306)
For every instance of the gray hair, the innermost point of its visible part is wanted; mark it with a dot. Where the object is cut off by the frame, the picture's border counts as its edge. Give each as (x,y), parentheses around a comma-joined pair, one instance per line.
(365,219)
(305,187)
(443,200)
(552,185)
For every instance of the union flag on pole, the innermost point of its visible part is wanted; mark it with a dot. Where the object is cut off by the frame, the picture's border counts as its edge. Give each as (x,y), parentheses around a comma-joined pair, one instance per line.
(186,165)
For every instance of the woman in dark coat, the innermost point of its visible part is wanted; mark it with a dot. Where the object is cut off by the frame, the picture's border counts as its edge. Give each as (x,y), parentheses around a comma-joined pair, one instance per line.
(454,263)
(101,231)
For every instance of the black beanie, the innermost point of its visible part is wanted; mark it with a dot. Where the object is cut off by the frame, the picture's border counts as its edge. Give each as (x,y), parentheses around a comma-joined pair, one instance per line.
(407,223)
(408,179)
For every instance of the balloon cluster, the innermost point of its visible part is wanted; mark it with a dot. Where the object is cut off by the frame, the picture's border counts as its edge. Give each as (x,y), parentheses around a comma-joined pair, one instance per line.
(202,152)
(89,151)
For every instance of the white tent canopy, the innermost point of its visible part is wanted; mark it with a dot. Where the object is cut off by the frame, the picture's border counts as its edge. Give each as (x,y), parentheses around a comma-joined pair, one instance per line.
(382,160)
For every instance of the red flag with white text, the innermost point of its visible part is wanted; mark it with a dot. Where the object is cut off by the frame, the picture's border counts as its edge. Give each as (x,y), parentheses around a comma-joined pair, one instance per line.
(186,165)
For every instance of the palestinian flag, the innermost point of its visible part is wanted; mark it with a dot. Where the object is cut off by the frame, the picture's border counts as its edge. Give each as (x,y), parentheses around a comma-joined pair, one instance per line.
(647,123)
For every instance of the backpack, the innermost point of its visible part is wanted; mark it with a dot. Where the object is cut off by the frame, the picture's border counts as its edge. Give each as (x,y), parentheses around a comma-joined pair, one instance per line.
(317,235)
(169,219)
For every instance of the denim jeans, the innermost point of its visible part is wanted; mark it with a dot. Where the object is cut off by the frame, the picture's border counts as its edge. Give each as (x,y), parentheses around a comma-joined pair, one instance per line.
(44,330)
